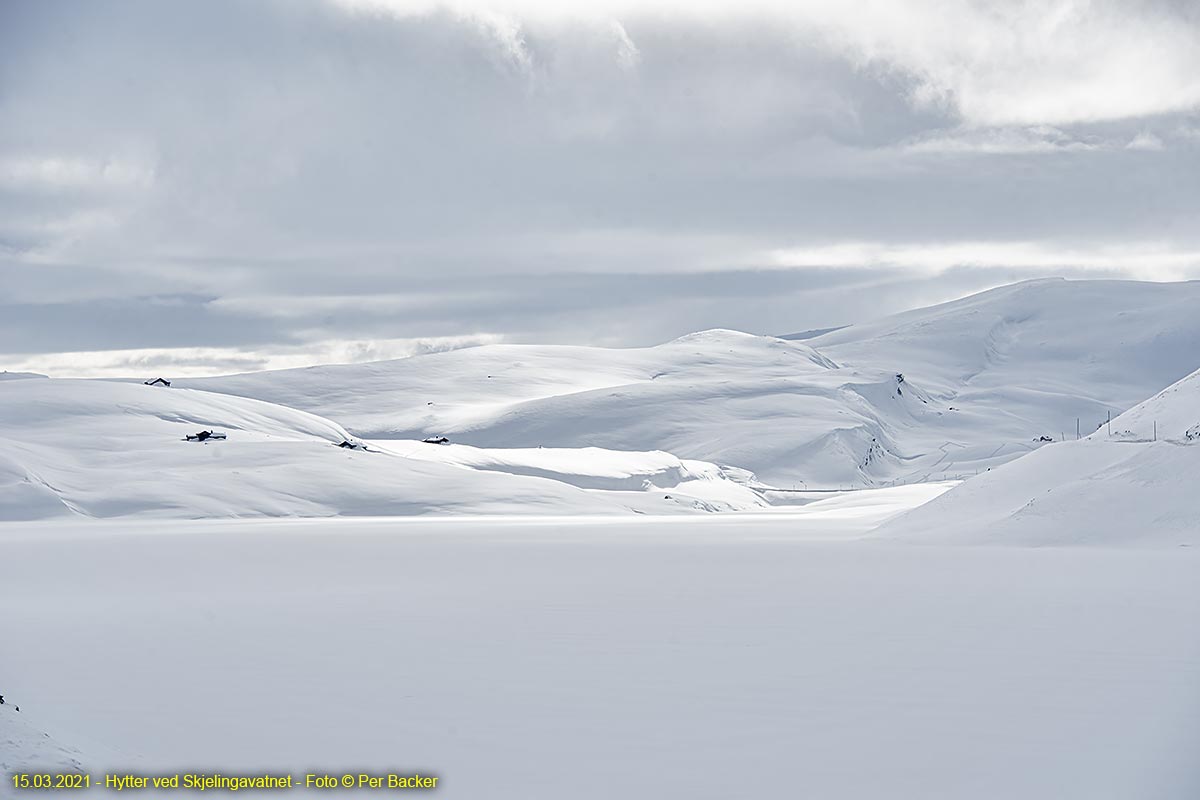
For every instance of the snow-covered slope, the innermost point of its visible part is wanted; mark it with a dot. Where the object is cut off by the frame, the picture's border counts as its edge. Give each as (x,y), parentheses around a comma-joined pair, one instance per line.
(946,391)
(106,449)
(695,484)
(23,746)
(1099,343)
(776,408)
(480,387)
(1135,485)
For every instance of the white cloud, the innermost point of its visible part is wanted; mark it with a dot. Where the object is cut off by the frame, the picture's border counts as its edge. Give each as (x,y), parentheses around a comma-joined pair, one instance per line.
(1157,261)
(1145,141)
(1027,62)
(185,362)
(1003,141)
(65,172)
(1031,63)
(507,32)
(628,55)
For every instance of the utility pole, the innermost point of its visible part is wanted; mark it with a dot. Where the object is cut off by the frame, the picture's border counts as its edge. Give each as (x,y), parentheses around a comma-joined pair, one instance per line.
(1077,427)
(1109,423)
(1156,430)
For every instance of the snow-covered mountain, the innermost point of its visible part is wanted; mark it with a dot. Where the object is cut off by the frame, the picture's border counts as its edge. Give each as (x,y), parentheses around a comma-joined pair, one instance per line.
(1112,342)
(107,449)
(944,392)
(776,408)
(1131,482)
(938,392)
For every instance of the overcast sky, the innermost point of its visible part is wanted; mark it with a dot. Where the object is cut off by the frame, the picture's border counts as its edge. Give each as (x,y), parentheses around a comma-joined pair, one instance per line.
(214,186)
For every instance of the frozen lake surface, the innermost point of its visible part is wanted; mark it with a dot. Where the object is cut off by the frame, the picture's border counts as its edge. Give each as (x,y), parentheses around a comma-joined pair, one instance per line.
(747,655)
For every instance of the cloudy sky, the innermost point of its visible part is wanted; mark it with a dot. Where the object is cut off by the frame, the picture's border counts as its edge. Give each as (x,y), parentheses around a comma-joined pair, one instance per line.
(190,188)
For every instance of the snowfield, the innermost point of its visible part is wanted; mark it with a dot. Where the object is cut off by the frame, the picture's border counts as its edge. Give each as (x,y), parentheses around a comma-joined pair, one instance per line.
(706,656)
(108,449)
(691,483)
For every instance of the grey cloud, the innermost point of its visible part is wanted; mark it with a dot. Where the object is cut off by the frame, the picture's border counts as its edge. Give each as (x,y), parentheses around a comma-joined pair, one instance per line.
(117,323)
(610,309)
(244,156)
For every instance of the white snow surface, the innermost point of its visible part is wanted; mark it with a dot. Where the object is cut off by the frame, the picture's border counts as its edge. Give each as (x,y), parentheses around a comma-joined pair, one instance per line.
(108,449)
(697,483)
(1113,343)
(1132,483)
(705,656)
(23,744)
